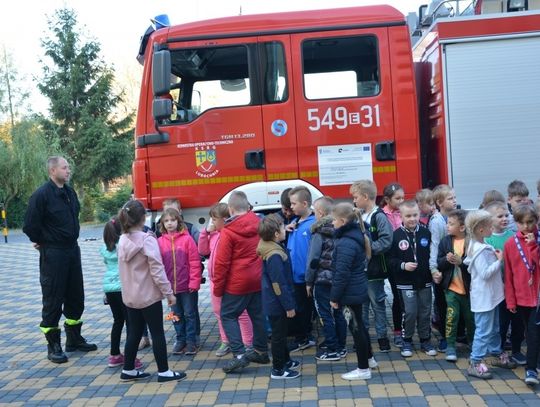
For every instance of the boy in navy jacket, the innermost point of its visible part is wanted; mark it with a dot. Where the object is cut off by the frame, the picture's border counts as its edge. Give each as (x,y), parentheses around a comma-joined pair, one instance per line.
(277,294)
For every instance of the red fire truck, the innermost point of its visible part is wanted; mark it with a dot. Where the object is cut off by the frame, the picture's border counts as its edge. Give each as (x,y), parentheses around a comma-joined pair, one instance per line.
(328,97)
(262,102)
(478,84)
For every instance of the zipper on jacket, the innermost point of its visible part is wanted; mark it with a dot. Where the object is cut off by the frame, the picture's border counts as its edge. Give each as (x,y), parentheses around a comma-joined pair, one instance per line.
(173,262)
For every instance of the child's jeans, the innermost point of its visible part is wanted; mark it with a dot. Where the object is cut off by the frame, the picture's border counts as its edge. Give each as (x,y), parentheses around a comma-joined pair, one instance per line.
(280,351)
(185,308)
(333,321)
(458,306)
(246,329)
(487,340)
(377,300)
(517,335)
(416,311)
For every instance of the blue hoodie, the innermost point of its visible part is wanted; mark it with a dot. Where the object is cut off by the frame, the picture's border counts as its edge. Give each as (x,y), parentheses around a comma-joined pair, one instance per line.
(298,245)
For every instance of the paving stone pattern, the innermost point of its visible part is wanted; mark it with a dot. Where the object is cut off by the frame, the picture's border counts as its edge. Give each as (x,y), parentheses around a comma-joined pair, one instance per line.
(28,378)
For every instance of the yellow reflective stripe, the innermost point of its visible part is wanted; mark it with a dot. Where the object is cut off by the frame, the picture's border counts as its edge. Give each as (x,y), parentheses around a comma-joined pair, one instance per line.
(282,175)
(47,329)
(73,321)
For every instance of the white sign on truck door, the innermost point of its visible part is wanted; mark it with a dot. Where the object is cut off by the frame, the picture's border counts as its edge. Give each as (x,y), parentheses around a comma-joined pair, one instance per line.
(344,164)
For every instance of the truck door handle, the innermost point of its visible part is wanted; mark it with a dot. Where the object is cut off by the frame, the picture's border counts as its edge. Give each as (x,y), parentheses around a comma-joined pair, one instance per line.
(254,159)
(385,151)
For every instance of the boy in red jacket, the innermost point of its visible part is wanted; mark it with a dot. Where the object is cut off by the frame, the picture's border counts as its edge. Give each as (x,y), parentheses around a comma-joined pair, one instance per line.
(237,278)
(521,268)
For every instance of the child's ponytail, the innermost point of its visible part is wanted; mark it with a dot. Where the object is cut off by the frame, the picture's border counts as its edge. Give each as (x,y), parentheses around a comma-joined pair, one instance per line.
(367,241)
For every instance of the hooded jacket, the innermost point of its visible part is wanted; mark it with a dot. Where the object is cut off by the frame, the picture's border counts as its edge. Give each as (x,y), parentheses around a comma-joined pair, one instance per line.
(111,279)
(516,276)
(142,274)
(237,268)
(276,282)
(349,284)
(393,215)
(487,290)
(207,247)
(181,260)
(321,246)
(298,246)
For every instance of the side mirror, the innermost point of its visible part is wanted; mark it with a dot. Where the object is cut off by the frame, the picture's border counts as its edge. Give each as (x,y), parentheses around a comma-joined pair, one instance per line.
(162,109)
(161,72)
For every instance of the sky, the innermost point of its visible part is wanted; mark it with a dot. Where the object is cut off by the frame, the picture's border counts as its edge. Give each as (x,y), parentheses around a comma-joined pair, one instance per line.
(118,25)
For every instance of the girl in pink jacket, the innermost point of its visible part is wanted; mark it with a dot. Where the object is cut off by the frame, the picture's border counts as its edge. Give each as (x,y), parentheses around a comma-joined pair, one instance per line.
(393,196)
(183,267)
(144,285)
(208,240)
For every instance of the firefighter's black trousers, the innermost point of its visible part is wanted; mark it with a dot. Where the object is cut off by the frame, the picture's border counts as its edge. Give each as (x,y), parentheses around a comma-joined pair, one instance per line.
(60,275)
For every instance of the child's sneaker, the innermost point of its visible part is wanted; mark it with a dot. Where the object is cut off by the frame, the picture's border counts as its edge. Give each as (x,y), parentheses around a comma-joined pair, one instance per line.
(428,348)
(328,356)
(531,378)
(398,340)
(406,349)
(190,350)
(503,360)
(178,348)
(118,360)
(292,364)
(343,353)
(223,349)
(357,374)
(519,358)
(443,345)
(284,374)
(372,363)
(478,369)
(384,345)
(451,355)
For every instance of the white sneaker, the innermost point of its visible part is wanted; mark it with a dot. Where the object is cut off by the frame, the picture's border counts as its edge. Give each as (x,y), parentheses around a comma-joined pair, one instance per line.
(372,363)
(357,374)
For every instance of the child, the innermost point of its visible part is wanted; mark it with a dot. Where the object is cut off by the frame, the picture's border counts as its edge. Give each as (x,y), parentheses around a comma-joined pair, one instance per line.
(319,280)
(364,193)
(349,284)
(298,245)
(144,285)
(498,238)
(445,200)
(393,196)
(456,280)
(491,196)
(113,290)
(409,259)
(487,292)
(424,199)
(277,294)
(208,240)
(183,267)
(518,194)
(522,265)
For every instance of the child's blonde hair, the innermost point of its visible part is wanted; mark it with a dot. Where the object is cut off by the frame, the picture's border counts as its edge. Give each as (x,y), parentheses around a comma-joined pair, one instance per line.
(364,187)
(424,195)
(440,192)
(346,211)
(475,219)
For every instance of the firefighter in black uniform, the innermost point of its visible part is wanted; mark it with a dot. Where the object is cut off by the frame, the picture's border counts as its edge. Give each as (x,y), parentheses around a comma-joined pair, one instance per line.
(52,224)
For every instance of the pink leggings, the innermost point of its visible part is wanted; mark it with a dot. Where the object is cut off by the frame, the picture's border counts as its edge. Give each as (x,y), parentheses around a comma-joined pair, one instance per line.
(245,323)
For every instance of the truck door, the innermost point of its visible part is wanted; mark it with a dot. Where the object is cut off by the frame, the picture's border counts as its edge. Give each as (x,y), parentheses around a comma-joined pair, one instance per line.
(216,136)
(279,128)
(343,105)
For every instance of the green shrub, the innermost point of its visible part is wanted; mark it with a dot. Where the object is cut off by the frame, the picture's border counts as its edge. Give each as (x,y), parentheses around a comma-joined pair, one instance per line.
(109,204)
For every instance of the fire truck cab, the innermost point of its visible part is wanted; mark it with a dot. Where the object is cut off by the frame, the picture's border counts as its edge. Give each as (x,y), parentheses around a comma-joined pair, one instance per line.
(325,97)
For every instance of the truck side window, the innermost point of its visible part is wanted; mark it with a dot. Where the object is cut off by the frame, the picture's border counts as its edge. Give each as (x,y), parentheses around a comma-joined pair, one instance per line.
(210,77)
(341,67)
(275,73)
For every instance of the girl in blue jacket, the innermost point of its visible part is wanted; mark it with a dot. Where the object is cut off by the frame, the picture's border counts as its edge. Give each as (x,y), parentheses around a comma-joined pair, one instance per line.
(113,291)
(349,284)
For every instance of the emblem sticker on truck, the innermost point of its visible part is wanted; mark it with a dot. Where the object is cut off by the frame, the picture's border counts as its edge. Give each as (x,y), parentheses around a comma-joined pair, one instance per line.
(206,161)
(279,128)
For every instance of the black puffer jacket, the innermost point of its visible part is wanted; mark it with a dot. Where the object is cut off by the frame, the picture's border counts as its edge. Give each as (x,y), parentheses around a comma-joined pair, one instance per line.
(321,247)
(349,285)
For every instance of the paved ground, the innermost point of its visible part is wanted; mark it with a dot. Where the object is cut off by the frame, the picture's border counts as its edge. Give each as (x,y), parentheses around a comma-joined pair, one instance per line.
(27,378)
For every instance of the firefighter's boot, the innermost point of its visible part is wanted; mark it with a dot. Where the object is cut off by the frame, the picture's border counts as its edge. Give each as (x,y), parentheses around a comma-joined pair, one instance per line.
(54,348)
(74,340)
